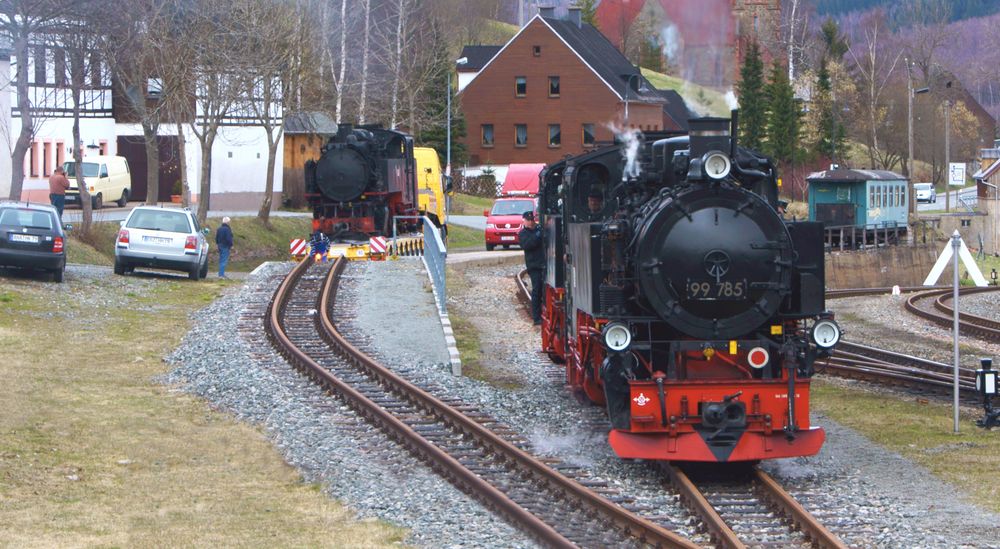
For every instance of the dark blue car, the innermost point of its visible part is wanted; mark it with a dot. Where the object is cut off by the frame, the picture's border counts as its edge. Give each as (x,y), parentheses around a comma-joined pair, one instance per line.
(32,238)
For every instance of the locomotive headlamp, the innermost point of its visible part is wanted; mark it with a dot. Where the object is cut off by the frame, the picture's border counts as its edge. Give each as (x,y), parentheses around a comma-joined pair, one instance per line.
(617,336)
(825,333)
(716,165)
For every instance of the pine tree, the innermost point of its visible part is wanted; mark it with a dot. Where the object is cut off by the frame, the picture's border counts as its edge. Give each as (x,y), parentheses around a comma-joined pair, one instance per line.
(753,101)
(435,135)
(782,117)
(830,132)
(588,12)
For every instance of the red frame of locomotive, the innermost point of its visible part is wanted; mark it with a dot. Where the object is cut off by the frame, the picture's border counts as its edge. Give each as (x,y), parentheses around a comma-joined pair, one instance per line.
(649,436)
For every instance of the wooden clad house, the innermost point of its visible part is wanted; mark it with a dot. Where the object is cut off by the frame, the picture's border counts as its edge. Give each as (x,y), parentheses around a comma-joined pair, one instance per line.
(557,88)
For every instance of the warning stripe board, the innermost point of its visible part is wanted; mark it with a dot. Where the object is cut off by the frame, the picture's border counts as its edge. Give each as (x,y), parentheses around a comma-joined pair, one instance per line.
(298,246)
(378,244)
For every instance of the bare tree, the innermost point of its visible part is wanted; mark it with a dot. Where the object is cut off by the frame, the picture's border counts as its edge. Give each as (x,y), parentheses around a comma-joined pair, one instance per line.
(22,22)
(874,64)
(366,6)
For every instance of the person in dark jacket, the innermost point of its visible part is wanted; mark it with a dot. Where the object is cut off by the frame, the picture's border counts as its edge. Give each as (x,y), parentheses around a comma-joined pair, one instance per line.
(224,239)
(530,239)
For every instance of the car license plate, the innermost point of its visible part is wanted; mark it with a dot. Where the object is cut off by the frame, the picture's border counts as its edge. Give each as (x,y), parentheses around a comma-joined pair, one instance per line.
(157,240)
(24,238)
(506,238)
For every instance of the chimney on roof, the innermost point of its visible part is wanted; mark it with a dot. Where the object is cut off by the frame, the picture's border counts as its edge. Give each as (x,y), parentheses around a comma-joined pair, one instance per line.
(547,11)
(574,16)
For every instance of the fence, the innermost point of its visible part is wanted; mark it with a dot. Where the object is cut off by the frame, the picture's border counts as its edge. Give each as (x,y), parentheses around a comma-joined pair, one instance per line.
(435,255)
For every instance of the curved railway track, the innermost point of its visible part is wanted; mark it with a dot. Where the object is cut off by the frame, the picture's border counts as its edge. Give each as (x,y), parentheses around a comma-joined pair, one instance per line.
(552,508)
(942,313)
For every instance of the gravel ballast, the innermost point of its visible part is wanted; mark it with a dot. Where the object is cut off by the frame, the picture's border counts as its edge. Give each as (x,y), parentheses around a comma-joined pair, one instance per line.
(895,502)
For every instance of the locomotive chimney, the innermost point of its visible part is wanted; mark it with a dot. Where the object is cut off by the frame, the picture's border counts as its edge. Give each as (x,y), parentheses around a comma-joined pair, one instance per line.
(709,134)
(574,16)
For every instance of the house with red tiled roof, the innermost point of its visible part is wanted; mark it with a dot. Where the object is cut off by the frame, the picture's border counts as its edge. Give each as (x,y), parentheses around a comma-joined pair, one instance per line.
(558,87)
(703,40)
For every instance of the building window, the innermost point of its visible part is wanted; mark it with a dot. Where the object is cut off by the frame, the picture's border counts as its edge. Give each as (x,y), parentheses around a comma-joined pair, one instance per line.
(103,145)
(589,139)
(39,65)
(555,135)
(553,86)
(59,62)
(520,135)
(46,159)
(33,160)
(60,153)
(536,51)
(520,86)
(95,70)
(487,134)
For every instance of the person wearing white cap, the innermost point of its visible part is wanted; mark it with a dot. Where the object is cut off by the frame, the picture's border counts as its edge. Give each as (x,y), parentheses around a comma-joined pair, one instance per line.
(224,240)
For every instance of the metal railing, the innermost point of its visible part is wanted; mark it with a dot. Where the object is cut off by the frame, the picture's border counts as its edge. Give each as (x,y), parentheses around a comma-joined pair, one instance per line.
(435,254)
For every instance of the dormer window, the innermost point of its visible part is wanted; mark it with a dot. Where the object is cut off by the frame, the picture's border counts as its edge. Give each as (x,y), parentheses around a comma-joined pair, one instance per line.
(520,86)
(154,88)
(536,51)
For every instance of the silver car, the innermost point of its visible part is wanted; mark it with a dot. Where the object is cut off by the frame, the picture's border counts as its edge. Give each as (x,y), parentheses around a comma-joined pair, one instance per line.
(162,238)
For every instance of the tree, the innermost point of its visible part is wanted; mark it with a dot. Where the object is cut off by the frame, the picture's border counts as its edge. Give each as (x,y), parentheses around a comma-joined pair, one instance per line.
(782,117)
(435,135)
(366,6)
(588,12)
(22,22)
(834,43)
(830,131)
(874,64)
(753,101)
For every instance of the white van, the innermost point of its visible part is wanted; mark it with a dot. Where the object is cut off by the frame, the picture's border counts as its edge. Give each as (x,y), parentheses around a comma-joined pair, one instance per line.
(107,179)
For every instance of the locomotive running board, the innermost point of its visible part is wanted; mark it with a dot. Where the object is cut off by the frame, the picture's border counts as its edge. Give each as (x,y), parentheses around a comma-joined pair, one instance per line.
(752,446)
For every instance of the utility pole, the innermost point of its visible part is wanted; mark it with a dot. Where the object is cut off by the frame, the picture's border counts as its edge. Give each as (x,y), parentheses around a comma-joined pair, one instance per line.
(947,154)
(911,206)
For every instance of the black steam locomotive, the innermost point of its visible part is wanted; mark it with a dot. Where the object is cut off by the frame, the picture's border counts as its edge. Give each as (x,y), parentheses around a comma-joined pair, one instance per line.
(685,303)
(364,178)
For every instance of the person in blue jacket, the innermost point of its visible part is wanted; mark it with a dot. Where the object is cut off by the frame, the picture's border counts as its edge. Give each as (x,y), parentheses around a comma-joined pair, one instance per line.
(530,239)
(224,240)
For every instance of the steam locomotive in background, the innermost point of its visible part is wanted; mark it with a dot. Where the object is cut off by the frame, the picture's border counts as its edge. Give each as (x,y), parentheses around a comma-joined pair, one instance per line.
(687,306)
(364,178)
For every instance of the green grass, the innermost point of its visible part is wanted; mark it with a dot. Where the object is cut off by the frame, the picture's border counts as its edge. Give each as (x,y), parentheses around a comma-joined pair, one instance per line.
(920,431)
(253,242)
(464,238)
(466,204)
(701,99)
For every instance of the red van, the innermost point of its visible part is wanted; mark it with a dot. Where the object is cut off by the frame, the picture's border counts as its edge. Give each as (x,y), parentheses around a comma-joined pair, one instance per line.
(503,220)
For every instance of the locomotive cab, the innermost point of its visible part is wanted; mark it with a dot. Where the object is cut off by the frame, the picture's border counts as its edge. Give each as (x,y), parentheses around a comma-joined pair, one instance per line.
(688,304)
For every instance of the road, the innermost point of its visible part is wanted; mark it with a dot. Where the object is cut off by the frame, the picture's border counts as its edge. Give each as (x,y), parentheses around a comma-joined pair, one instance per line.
(956,206)
(73,214)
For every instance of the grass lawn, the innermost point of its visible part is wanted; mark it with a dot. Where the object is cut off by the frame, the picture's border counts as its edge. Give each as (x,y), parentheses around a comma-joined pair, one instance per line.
(95,452)
(922,433)
(465,238)
(466,204)
(253,242)
(706,101)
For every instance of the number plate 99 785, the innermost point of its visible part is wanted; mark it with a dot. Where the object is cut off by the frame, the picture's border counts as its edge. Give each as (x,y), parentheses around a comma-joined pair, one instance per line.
(712,290)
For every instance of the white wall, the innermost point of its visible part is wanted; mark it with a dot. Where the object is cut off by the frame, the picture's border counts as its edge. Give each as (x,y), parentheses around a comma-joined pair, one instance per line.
(5,127)
(60,130)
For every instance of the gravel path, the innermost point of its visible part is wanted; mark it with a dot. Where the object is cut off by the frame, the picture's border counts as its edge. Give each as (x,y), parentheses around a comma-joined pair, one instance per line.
(896,503)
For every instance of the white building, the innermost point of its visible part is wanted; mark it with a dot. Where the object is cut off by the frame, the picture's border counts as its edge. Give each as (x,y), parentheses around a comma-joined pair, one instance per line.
(239,155)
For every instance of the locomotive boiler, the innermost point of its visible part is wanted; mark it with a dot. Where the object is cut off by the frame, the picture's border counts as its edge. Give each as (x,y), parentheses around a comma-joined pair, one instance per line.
(687,306)
(364,178)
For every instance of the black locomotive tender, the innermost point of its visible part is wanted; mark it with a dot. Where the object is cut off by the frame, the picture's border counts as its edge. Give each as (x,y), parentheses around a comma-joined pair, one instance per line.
(364,178)
(687,291)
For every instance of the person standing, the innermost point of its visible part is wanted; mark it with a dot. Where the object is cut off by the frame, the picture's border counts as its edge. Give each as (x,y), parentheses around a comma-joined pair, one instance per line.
(224,240)
(530,238)
(57,190)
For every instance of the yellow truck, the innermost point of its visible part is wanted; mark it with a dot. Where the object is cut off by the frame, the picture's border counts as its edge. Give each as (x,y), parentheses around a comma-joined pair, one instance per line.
(431,187)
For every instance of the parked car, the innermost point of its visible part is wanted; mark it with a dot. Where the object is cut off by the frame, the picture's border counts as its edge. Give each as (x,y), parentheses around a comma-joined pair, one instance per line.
(106,178)
(162,238)
(925,192)
(503,221)
(32,238)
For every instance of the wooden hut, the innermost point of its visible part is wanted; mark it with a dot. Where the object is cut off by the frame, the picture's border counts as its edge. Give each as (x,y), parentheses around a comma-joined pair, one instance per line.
(305,133)
(859,207)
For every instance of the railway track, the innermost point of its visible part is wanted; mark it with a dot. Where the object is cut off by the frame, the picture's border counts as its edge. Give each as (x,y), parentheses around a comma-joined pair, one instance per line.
(942,313)
(555,510)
